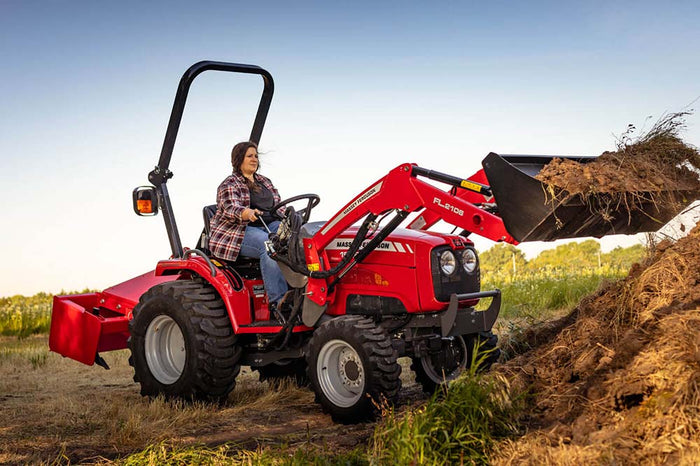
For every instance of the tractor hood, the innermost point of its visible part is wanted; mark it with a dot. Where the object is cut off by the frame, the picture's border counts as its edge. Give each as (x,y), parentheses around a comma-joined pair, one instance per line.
(400,248)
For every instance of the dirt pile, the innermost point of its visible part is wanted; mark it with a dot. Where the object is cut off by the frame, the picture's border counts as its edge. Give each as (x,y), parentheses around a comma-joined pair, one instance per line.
(618,380)
(656,168)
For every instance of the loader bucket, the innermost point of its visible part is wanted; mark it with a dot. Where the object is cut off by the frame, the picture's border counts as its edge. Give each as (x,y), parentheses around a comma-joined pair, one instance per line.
(531,213)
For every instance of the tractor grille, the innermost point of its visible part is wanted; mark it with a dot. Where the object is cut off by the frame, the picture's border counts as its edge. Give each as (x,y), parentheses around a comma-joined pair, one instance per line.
(460,281)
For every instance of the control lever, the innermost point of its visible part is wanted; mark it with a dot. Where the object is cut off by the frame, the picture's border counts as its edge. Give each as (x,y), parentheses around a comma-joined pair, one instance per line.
(269,247)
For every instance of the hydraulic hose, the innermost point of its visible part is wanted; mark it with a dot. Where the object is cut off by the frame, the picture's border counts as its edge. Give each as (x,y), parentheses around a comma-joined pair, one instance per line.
(352,250)
(371,246)
(296,258)
(199,253)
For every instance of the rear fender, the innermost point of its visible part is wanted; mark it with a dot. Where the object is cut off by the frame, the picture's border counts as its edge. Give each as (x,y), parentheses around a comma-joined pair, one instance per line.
(236,292)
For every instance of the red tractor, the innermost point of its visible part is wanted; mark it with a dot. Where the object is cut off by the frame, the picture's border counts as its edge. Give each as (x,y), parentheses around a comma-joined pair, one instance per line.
(364,291)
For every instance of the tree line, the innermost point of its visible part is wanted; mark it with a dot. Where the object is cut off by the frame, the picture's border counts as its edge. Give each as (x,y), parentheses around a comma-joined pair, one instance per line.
(506,259)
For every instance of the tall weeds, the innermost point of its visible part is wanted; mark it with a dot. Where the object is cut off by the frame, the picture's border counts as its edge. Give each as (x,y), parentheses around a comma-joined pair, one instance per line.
(458,425)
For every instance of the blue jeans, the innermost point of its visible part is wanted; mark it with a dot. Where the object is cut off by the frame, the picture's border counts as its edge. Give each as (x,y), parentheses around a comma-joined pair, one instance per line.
(254,246)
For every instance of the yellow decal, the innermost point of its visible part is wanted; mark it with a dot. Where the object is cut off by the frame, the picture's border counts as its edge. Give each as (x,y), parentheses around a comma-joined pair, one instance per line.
(379,280)
(314,267)
(469,185)
(216,263)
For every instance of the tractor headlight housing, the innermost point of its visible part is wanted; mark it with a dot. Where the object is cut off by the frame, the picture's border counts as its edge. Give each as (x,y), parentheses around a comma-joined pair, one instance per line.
(470,262)
(450,273)
(448,262)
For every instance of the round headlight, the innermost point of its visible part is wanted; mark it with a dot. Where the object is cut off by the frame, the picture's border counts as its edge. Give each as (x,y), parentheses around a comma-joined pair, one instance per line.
(448,262)
(469,260)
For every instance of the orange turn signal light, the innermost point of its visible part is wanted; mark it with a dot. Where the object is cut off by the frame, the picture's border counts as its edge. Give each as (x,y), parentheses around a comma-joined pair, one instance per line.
(144,206)
(145,200)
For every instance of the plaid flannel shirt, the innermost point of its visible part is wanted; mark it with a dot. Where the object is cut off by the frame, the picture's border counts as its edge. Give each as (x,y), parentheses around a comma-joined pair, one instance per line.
(227,226)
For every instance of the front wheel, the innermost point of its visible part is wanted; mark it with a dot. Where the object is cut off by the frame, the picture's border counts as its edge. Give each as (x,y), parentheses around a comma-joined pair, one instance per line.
(455,355)
(182,342)
(438,368)
(353,368)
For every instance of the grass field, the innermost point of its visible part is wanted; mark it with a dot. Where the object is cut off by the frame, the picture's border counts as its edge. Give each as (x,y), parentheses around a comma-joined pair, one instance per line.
(539,295)
(459,426)
(56,411)
(97,407)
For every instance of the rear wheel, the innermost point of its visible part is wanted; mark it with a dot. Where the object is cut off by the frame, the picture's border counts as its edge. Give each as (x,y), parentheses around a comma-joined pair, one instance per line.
(352,368)
(182,342)
(455,355)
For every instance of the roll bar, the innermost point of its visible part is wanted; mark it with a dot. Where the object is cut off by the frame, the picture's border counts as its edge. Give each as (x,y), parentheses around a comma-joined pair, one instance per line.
(160,174)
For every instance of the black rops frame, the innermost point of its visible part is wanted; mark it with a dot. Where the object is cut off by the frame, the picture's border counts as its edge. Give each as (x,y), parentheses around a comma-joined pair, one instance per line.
(160,175)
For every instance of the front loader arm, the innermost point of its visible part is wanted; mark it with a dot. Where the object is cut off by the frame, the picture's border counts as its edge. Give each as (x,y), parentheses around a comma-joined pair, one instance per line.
(402,191)
(477,197)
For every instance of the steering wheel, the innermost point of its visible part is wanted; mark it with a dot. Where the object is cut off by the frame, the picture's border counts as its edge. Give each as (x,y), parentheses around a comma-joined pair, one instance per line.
(312,201)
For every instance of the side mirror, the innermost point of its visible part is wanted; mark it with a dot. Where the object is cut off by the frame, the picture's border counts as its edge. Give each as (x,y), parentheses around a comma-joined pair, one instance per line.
(145,199)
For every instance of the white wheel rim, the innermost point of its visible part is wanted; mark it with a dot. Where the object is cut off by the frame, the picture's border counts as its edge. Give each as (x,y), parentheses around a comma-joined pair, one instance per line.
(436,374)
(341,375)
(165,349)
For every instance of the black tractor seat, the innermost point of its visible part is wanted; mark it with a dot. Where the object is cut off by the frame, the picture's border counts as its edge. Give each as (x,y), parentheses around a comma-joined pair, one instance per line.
(249,267)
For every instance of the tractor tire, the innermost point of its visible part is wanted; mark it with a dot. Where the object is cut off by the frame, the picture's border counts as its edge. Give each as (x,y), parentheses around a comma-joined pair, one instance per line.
(436,370)
(182,342)
(353,368)
(275,373)
(456,356)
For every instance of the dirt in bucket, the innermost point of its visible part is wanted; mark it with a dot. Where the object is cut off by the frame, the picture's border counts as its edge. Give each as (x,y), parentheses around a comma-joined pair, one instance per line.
(657,167)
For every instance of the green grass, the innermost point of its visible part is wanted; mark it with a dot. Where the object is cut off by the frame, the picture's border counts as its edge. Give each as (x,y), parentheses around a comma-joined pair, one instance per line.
(459,425)
(540,295)
(231,454)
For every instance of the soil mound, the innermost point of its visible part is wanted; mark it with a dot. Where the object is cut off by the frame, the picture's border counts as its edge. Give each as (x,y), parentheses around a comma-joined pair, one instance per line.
(619,379)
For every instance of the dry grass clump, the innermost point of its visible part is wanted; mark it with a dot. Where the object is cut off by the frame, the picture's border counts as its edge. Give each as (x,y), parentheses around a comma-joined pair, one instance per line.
(619,382)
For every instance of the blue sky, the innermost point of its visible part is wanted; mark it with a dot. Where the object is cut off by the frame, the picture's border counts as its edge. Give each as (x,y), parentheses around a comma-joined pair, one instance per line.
(87,89)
